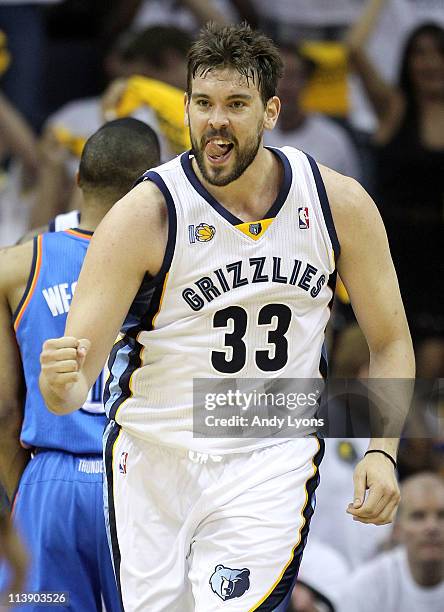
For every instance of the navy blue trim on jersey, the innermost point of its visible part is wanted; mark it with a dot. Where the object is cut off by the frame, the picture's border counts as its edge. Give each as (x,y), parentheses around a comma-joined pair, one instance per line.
(323,362)
(279,598)
(325,204)
(134,362)
(51,226)
(30,279)
(172,223)
(140,318)
(108,460)
(187,166)
(111,359)
(332,284)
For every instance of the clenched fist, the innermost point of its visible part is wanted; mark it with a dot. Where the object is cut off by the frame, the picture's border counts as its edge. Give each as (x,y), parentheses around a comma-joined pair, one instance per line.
(61,363)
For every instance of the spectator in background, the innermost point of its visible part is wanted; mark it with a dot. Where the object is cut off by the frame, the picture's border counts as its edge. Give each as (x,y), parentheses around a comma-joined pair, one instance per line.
(190,15)
(290,19)
(314,133)
(24,26)
(409,145)
(18,146)
(159,52)
(410,577)
(388,24)
(155,52)
(321,576)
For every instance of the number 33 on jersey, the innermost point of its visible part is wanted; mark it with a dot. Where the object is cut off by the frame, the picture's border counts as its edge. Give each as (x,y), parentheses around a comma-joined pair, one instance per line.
(231,299)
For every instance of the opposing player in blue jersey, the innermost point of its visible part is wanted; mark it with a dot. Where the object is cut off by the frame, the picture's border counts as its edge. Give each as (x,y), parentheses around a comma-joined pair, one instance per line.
(56,463)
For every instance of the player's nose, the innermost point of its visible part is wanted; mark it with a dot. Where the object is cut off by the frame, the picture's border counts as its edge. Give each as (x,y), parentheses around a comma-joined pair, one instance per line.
(218,118)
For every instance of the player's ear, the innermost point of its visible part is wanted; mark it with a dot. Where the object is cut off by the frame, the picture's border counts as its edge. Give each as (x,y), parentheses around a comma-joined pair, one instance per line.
(77,179)
(187,106)
(271,114)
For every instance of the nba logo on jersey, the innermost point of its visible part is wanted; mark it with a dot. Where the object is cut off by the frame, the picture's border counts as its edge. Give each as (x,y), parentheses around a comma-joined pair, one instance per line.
(122,463)
(304,219)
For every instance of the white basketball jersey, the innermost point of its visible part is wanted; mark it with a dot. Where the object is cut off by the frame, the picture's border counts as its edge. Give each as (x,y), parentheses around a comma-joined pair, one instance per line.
(232,299)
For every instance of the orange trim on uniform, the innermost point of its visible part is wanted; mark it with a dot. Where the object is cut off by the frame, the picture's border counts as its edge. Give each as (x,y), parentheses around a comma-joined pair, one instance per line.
(304,520)
(161,299)
(14,504)
(78,234)
(33,282)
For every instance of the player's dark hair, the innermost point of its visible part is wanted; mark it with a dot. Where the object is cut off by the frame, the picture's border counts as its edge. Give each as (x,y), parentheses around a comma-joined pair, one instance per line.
(248,51)
(153,43)
(116,155)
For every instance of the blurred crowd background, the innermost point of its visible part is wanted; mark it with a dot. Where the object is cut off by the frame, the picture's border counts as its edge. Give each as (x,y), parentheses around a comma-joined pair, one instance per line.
(362,92)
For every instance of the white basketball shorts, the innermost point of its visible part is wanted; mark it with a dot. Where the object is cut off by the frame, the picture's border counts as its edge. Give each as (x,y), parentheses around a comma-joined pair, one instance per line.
(198,533)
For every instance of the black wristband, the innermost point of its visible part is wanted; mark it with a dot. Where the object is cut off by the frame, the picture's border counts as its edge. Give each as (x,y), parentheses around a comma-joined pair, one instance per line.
(383,453)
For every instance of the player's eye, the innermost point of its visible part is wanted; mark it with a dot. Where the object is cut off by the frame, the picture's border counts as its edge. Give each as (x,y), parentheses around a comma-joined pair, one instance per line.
(202,103)
(237,104)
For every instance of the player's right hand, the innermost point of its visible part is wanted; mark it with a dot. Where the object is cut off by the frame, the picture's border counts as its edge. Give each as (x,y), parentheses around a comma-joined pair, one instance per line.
(61,361)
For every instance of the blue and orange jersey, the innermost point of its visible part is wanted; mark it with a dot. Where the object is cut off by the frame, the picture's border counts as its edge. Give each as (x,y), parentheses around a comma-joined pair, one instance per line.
(41,314)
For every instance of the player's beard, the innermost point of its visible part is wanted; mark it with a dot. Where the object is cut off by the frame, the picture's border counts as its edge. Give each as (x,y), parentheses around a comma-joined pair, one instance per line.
(243,158)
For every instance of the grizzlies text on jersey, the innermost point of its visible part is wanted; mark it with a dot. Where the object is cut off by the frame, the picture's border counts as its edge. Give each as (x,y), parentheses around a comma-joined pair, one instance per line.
(232,299)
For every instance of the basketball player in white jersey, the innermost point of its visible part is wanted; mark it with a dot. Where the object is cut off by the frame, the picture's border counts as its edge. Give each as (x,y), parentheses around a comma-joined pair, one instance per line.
(222,258)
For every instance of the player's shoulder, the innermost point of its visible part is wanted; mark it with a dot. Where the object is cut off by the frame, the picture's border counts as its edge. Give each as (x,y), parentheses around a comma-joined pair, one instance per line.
(15,264)
(350,203)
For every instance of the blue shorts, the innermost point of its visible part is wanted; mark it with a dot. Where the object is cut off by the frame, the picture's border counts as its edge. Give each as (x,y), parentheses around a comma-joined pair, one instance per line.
(58,510)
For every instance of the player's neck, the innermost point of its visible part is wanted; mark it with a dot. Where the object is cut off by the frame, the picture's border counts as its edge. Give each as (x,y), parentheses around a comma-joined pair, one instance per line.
(92,212)
(252,194)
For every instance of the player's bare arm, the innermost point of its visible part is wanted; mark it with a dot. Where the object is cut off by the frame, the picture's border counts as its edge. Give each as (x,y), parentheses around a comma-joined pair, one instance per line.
(15,264)
(129,242)
(367,270)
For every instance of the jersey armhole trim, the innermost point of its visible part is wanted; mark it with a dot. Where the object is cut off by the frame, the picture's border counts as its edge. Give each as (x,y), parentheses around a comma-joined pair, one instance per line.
(32,281)
(172,226)
(325,205)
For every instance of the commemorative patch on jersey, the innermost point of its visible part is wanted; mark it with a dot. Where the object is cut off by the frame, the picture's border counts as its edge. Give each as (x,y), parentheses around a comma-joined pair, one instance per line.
(201,233)
(229,583)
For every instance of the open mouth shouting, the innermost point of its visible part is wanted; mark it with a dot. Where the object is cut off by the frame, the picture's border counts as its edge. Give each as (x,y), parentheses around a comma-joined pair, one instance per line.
(218,150)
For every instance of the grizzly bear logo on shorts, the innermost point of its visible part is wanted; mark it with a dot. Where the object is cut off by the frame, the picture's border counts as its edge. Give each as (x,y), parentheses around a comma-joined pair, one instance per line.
(229,583)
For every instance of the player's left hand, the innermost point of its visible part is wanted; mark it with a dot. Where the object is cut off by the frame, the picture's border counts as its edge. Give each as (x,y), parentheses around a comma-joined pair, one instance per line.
(375,473)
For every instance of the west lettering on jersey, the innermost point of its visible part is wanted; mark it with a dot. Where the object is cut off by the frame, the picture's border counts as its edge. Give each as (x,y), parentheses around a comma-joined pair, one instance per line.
(256,270)
(58,297)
